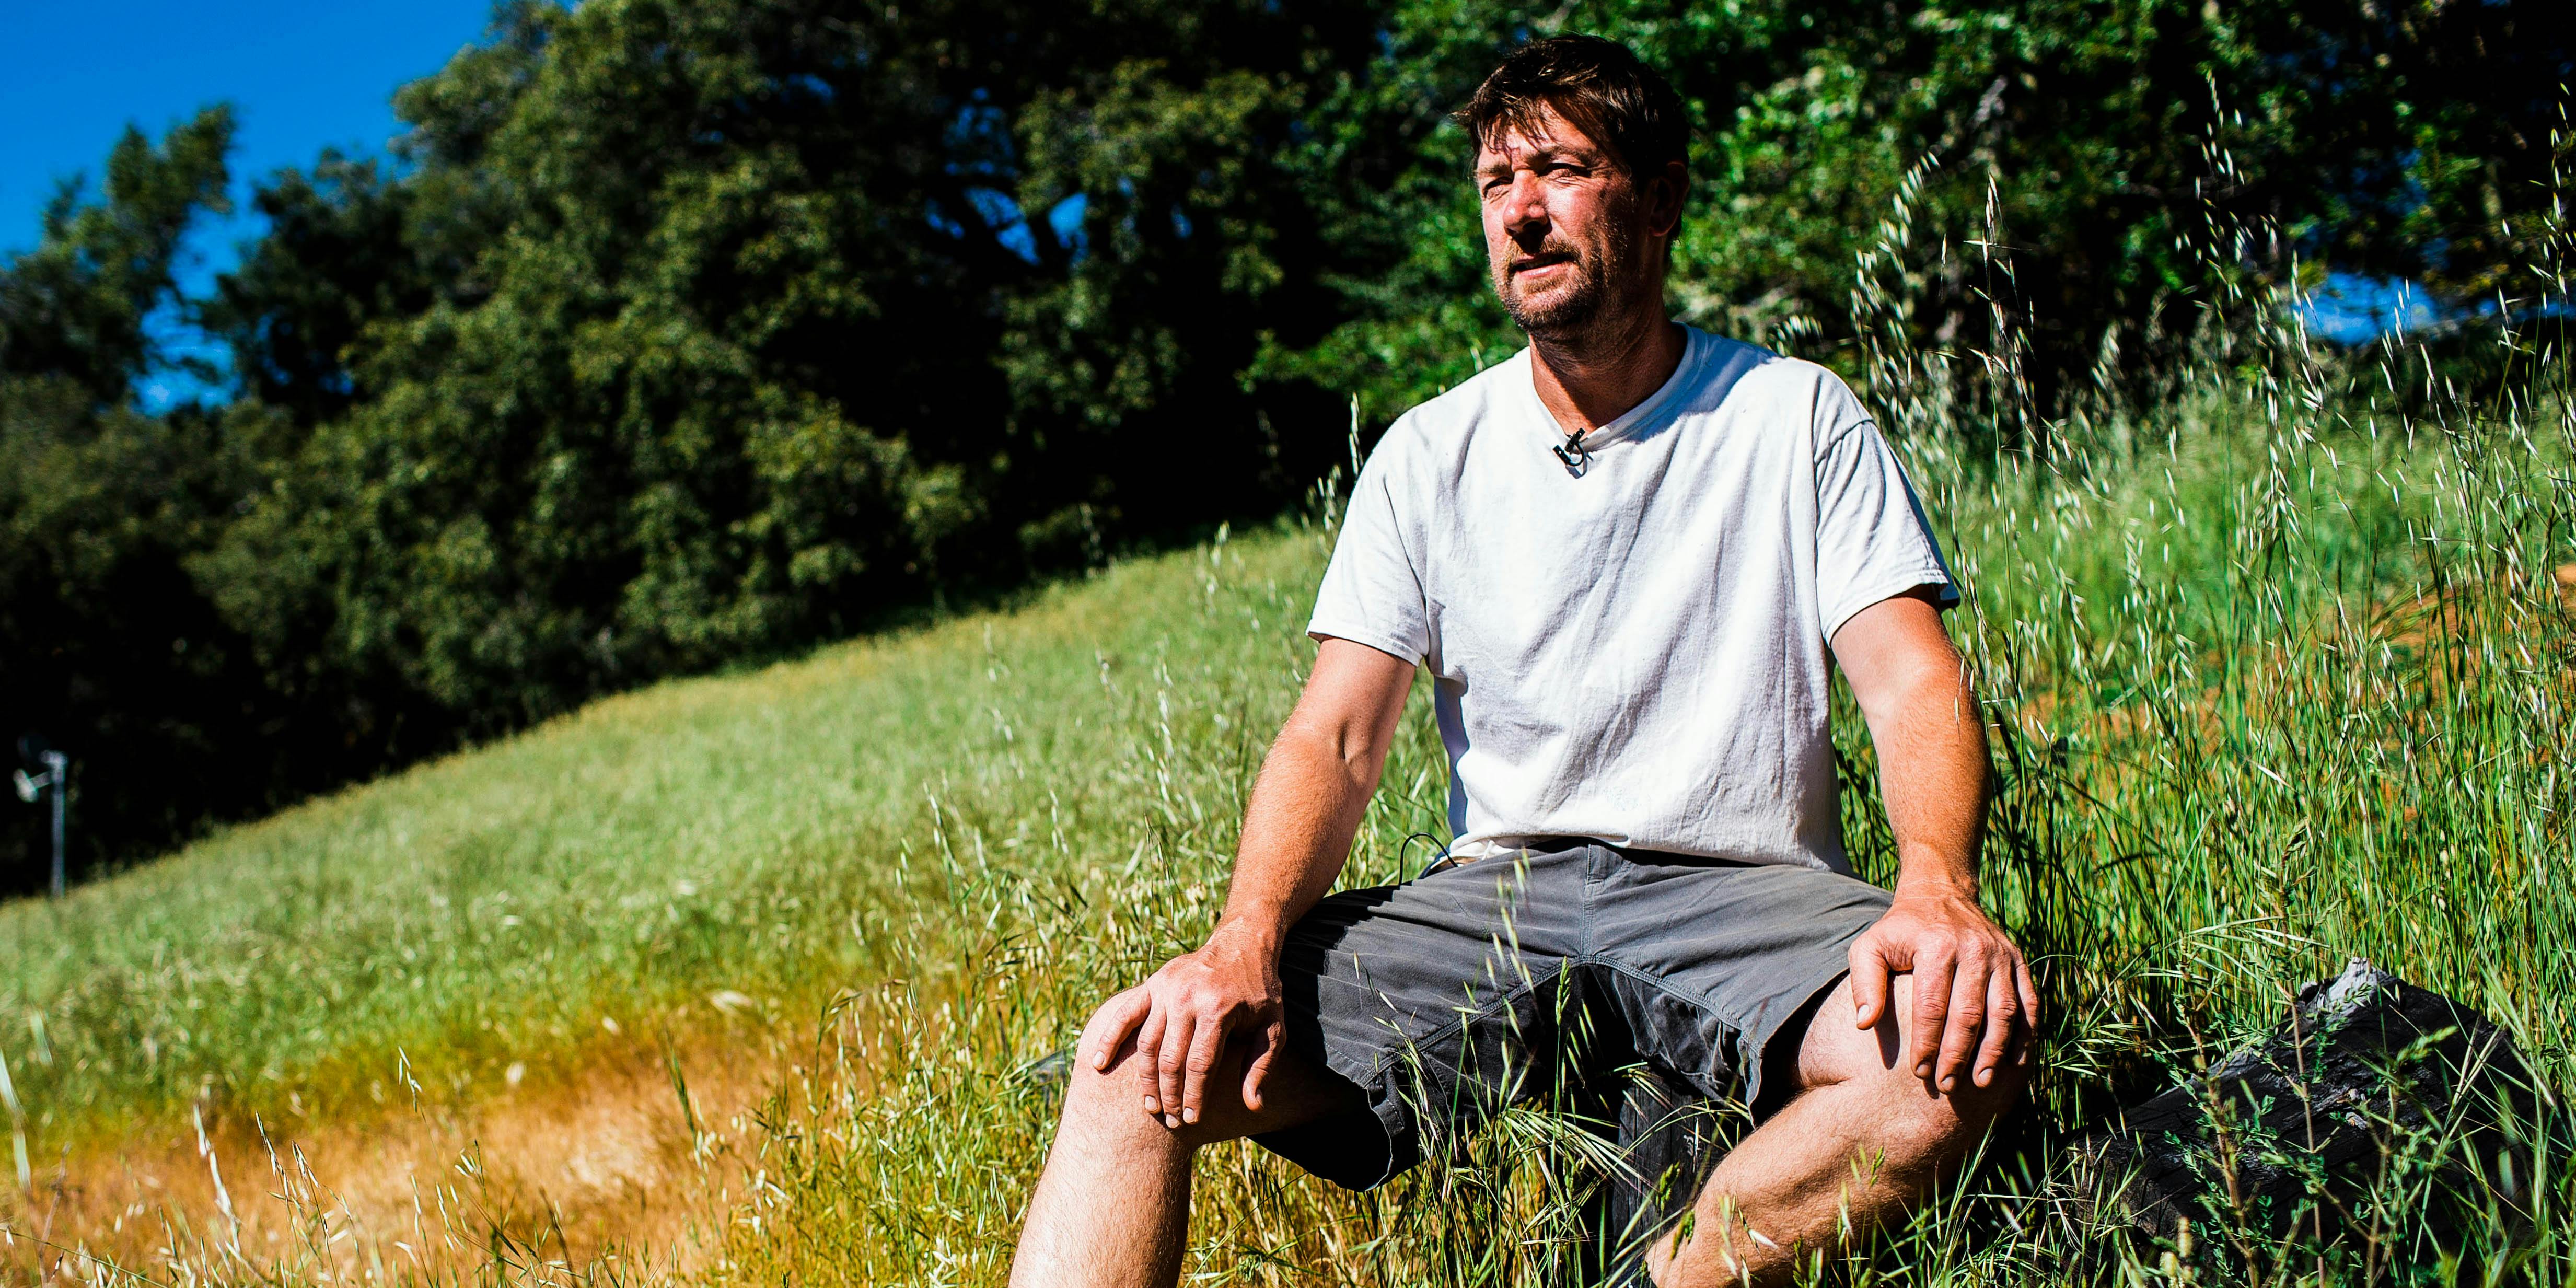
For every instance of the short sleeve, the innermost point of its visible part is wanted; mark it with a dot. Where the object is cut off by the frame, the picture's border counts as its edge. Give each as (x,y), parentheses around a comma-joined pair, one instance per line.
(1372,592)
(1873,541)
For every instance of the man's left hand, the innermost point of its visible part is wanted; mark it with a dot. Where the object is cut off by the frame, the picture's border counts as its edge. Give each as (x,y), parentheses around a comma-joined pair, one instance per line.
(1972,989)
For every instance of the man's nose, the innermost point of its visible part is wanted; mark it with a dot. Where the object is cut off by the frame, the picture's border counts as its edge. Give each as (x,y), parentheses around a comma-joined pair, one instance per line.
(1525,213)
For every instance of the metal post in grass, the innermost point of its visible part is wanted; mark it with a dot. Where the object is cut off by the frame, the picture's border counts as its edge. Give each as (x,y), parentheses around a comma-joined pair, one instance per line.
(56,780)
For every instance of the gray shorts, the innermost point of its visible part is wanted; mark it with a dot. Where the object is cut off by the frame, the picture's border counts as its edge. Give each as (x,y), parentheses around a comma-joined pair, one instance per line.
(1485,984)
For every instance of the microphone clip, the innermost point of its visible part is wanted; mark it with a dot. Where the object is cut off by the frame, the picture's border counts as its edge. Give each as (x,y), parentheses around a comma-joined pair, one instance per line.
(1571,451)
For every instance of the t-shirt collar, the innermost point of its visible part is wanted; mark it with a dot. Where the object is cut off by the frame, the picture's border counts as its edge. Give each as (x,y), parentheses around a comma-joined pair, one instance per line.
(1694,349)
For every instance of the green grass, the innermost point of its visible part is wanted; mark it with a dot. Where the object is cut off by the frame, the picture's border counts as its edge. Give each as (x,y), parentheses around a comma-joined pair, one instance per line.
(625,862)
(2280,678)
(2273,689)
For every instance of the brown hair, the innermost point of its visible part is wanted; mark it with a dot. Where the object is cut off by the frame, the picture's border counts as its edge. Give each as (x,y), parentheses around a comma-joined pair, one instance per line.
(1599,87)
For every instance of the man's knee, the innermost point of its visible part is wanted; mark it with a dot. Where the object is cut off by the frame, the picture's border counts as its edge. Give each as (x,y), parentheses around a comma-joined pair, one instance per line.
(1948,1125)
(1107,1105)
(1922,1120)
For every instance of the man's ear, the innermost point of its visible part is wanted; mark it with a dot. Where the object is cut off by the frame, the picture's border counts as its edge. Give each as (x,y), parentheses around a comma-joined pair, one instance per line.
(1664,194)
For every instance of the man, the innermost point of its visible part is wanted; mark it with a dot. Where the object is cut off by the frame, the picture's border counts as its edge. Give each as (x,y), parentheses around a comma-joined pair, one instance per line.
(1631,558)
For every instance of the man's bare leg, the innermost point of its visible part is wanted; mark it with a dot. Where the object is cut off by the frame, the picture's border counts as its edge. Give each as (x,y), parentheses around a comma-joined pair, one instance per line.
(1863,1139)
(1112,1208)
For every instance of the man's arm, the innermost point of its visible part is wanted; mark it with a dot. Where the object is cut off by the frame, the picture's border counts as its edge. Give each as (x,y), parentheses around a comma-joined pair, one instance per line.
(1306,806)
(1971,985)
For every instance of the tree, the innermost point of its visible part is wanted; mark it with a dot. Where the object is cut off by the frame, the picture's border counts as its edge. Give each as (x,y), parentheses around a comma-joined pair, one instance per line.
(106,646)
(2067,167)
(754,341)
(73,309)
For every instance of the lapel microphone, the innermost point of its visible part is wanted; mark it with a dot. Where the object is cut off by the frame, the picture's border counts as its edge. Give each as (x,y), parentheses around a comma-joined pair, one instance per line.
(1572,452)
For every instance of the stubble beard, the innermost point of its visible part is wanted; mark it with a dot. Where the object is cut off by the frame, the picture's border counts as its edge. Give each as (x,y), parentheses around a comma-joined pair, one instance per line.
(1569,313)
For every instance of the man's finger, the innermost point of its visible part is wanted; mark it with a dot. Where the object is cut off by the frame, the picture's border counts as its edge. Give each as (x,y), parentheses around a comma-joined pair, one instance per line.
(1149,1054)
(2029,992)
(1871,976)
(1117,1018)
(1170,1064)
(1959,1029)
(1932,979)
(1257,1070)
(1207,1042)
(2002,1008)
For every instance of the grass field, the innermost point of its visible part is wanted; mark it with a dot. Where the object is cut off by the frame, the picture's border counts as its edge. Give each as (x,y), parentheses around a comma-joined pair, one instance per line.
(2282,673)
(2272,690)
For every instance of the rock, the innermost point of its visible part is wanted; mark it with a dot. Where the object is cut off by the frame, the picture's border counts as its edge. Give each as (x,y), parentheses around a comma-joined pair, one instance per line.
(1050,1073)
(2371,1083)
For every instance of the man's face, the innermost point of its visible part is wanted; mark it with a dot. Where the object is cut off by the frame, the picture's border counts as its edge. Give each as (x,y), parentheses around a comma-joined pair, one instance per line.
(1565,227)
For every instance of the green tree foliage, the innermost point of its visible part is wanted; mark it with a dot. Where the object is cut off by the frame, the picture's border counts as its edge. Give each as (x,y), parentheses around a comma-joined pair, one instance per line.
(2066,167)
(342,250)
(680,333)
(105,641)
(73,310)
(754,338)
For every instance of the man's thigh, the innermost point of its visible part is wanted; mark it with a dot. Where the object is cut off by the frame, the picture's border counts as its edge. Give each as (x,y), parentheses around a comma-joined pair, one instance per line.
(1836,1049)
(1432,999)
(1443,999)
(1722,973)
(1719,967)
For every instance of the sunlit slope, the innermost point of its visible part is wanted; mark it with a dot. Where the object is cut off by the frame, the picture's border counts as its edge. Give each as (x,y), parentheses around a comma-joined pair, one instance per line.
(2271,688)
(628,862)
(2273,696)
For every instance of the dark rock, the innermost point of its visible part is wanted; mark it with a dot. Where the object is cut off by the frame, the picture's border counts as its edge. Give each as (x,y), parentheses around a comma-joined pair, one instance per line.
(2372,1088)
(1050,1073)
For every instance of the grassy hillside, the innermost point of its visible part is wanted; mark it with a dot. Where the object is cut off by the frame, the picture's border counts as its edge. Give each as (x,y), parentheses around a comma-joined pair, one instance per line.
(719,835)
(2278,679)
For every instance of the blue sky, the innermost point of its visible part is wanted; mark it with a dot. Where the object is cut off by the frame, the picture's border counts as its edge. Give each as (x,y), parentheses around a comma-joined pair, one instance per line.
(2350,309)
(301,76)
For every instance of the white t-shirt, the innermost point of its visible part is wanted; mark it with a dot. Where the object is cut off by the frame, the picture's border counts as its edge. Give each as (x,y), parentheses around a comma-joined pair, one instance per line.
(1636,655)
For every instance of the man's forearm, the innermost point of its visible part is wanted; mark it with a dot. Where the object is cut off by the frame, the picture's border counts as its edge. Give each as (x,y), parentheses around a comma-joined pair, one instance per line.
(1972,989)
(1933,773)
(1306,807)
(1296,833)
(1913,688)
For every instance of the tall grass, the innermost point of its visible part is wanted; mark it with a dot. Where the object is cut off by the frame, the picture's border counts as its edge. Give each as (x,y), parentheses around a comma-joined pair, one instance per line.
(2282,670)
(2271,691)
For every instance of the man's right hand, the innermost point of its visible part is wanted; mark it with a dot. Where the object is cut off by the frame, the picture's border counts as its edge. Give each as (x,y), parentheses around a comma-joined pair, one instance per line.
(1185,1013)
(1306,806)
